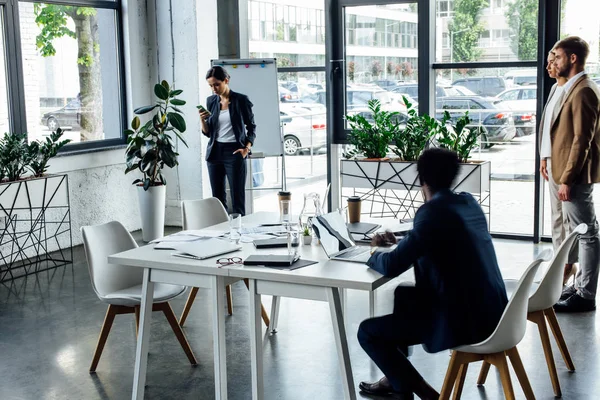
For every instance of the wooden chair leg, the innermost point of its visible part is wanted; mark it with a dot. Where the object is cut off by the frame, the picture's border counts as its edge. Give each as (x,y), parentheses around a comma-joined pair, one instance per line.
(517,364)
(229,300)
(558,336)
(451,375)
(188,305)
(460,381)
(108,321)
(136,310)
(168,311)
(502,365)
(540,320)
(485,368)
(263,312)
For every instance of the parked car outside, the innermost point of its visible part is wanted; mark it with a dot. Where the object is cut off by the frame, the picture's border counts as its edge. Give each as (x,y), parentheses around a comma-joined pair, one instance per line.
(286,96)
(67,117)
(520,77)
(386,84)
(412,89)
(522,101)
(316,86)
(489,113)
(302,129)
(483,86)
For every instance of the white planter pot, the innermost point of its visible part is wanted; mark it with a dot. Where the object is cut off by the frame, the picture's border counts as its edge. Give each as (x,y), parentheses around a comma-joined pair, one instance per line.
(152,211)
(306,240)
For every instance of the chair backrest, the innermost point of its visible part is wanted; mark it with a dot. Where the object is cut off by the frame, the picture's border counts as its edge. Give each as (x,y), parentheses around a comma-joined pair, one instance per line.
(101,241)
(199,214)
(548,293)
(512,324)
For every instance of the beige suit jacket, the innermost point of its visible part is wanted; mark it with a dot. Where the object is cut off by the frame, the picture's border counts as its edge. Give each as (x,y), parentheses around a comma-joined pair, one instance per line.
(575,135)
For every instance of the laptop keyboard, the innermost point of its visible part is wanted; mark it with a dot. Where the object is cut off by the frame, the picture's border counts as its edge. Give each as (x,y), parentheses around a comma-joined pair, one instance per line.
(353,252)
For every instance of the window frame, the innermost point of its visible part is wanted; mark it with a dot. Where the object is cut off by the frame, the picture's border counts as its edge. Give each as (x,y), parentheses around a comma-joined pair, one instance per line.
(18,111)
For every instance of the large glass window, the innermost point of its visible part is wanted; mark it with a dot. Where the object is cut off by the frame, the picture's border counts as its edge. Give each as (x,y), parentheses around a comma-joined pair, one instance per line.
(479,31)
(298,42)
(580,18)
(71,71)
(4,126)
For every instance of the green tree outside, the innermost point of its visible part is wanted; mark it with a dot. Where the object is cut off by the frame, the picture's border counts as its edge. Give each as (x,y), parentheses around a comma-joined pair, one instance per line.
(53,22)
(465,30)
(522,18)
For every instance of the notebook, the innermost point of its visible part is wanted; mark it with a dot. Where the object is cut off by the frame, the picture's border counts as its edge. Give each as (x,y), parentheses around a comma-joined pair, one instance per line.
(203,249)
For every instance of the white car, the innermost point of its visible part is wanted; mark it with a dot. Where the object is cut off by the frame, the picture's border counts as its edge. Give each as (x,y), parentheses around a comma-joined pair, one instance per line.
(302,129)
(522,101)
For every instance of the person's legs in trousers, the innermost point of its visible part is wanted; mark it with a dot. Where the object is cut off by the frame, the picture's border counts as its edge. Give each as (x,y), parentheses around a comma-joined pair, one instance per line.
(386,340)
(235,167)
(560,224)
(216,174)
(581,210)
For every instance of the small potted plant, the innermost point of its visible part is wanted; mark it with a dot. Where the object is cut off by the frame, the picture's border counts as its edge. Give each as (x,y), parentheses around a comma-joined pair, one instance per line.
(306,236)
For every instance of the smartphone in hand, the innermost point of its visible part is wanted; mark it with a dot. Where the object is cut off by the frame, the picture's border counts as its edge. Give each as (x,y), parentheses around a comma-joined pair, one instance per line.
(203,109)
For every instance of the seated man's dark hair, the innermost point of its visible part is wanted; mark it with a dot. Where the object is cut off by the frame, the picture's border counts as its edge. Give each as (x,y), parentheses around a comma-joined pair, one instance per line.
(437,168)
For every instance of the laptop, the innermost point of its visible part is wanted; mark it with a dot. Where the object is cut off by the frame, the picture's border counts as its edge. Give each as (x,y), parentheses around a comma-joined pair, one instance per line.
(337,241)
(203,249)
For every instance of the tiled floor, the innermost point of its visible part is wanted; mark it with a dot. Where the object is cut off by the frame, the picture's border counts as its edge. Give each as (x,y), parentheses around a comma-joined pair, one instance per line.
(49,325)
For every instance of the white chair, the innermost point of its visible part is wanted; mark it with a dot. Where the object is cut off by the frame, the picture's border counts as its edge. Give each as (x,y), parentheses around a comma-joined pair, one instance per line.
(120,286)
(501,343)
(200,214)
(544,295)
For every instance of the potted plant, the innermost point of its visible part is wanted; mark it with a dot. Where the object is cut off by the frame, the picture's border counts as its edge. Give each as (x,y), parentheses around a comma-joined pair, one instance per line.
(371,137)
(306,236)
(393,184)
(35,207)
(150,148)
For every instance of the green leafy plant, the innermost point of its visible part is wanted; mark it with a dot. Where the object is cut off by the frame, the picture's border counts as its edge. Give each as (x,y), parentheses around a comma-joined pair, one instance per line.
(416,136)
(42,152)
(15,156)
(150,146)
(459,137)
(306,231)
(372,138)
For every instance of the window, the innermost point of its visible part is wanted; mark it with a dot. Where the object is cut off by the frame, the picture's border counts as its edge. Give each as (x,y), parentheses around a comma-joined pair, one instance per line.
(4,126)
(71,71)
(510,95)
(506,31)
(529,94)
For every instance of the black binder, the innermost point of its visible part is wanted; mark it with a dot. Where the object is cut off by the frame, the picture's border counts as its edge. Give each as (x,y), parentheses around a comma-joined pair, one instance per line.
(270,243)
(274,260)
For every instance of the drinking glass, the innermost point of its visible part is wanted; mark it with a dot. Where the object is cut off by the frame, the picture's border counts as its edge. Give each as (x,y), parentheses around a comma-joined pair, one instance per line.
(235,226)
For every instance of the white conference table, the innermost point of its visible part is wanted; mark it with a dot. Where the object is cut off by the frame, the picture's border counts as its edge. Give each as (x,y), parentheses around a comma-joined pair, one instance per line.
(323,281)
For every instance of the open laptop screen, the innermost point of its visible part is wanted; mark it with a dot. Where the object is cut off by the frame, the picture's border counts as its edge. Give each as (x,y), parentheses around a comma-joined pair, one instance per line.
(332,231)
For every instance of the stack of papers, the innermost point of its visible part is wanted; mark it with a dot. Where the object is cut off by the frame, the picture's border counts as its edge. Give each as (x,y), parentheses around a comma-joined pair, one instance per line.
(171,242)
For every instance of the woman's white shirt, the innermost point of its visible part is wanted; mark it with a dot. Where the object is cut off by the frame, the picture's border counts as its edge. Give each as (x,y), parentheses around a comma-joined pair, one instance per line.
(225,134)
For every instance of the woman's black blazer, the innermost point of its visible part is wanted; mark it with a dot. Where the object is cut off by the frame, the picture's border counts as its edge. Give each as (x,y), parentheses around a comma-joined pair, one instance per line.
(240,111)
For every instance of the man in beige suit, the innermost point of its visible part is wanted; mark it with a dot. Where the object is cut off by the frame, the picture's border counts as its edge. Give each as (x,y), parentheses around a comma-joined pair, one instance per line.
(575,167)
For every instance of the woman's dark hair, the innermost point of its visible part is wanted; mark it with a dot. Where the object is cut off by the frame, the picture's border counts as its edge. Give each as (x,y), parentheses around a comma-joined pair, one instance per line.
(218,73)
(437,168)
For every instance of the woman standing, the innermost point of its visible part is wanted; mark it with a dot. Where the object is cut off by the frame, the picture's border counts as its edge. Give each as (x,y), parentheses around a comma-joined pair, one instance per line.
(560,225)
(229,123)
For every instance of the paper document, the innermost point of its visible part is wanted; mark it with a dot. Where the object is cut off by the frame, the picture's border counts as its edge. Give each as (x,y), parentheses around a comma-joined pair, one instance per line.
(207,233)
(249,230)
(203,249)
(176,238)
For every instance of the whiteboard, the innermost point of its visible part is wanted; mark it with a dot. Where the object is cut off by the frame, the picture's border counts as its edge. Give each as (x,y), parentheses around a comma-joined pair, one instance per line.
(257,79)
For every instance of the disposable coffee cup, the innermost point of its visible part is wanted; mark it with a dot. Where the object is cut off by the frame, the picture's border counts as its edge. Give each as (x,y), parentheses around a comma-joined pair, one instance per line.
(282,196)
(354,209)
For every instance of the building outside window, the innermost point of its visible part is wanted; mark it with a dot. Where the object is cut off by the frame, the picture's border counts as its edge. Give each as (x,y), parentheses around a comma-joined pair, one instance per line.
(71,61)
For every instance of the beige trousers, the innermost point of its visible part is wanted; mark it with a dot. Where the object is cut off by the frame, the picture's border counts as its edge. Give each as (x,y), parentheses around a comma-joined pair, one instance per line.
(559,220)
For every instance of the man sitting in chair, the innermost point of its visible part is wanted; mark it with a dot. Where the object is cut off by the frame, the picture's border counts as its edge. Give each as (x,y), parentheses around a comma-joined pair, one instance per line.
(459,295)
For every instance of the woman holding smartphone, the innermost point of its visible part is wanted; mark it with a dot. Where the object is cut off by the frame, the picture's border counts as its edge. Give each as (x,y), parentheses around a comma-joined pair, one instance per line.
(229,123)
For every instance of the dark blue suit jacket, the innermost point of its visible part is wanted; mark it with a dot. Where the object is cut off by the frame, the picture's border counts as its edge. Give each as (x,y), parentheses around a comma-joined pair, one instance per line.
(242,119)
(457,276)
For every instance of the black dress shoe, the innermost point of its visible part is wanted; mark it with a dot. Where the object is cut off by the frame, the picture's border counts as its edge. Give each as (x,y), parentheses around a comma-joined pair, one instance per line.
(383,389)
(567,292)
(575,303)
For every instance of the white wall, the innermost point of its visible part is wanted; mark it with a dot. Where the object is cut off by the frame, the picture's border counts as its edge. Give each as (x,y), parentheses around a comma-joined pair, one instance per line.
(99,189)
